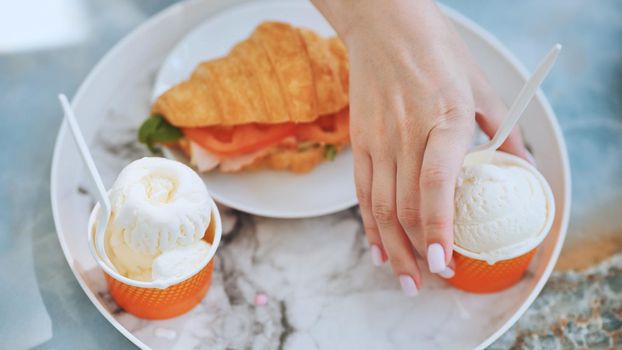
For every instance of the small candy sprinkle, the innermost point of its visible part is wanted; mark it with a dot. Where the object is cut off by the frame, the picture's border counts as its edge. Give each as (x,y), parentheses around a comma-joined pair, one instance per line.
(261,299)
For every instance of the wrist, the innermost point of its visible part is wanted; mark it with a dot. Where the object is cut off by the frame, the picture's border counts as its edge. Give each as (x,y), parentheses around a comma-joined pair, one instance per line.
(337,13)
(353,19)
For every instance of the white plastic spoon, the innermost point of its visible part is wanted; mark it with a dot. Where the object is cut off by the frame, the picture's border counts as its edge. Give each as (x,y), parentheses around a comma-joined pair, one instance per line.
(102,195)
(484,153)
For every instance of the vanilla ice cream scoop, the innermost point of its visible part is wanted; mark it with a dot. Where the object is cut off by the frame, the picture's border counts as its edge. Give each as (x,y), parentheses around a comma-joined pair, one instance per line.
(499,207)
(159,206)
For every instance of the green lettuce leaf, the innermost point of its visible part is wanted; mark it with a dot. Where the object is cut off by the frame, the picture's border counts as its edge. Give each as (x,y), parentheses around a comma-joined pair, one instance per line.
(157,130)
(330,151)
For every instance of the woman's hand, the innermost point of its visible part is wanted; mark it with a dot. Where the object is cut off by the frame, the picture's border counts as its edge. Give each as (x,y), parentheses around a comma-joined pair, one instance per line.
(415,95)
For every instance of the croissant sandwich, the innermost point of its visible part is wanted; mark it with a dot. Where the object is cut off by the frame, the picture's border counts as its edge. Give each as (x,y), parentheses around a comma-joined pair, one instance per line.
(278,99)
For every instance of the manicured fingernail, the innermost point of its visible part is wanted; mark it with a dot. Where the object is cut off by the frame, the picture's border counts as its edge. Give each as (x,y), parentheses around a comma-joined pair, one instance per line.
(408,285)
(436,258)
(447,273)
(531,159)
(376,255)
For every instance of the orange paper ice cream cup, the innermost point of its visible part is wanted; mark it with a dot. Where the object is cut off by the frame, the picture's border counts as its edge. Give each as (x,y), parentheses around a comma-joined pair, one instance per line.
(162,299)
(480,273)
(479,276)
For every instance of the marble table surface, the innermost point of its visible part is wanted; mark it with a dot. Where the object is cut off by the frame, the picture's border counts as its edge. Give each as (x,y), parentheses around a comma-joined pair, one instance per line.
(42,306)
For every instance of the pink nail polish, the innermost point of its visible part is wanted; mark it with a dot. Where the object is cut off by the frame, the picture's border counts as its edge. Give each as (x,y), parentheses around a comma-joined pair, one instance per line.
(376,255)
(408,286)
(447,273)
(436,258)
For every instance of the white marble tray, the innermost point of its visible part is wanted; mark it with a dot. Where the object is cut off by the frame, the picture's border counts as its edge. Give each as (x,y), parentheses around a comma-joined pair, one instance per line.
(322,289)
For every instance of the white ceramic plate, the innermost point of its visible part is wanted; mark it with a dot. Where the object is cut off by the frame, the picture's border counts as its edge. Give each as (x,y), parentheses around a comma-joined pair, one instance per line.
(326,189)
(329,295)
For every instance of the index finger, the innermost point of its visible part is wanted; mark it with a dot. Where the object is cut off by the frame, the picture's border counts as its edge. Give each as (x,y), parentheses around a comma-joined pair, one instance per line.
(442,161)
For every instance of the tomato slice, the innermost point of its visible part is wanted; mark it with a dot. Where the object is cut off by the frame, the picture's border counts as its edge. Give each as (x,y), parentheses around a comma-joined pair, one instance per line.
(240,139)
(330,129)
(229,141)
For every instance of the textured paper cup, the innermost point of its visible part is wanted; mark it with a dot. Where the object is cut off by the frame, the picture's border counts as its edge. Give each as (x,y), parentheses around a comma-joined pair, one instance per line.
(476,273)
(162,299)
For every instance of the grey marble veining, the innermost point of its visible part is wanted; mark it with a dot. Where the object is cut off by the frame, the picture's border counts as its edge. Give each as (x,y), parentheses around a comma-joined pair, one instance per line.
(576,309)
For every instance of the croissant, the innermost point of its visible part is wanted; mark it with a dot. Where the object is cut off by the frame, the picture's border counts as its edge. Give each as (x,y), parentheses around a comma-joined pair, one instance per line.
(279,74)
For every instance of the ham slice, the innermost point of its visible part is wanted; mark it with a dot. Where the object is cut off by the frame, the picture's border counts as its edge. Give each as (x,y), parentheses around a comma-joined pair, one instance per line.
(202,159)
(206,161)
(237,163)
